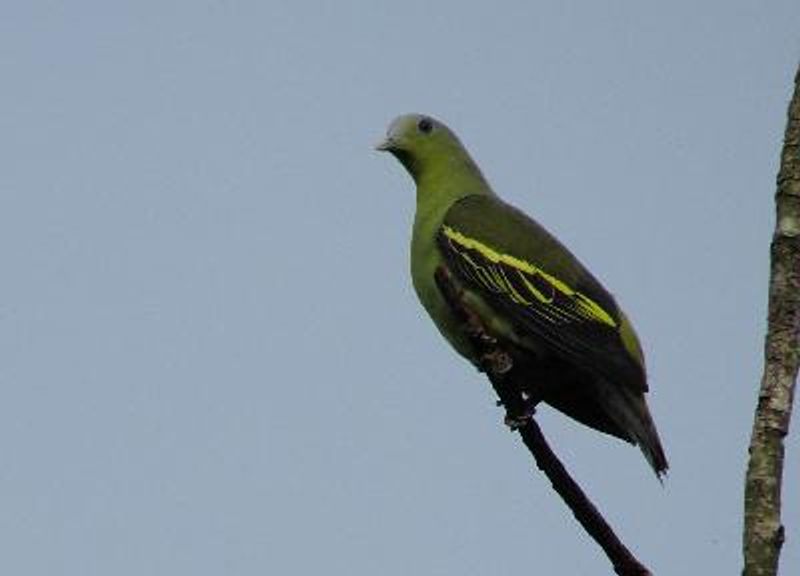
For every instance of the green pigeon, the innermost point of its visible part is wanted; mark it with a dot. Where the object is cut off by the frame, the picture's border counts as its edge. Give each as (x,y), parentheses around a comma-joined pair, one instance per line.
(578,351)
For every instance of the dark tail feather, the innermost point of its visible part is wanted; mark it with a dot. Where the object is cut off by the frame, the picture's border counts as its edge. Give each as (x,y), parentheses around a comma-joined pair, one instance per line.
(627,408)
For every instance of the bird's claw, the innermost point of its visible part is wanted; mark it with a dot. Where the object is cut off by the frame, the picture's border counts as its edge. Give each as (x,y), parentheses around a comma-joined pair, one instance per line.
(517,421)
(514,423)
(497,361)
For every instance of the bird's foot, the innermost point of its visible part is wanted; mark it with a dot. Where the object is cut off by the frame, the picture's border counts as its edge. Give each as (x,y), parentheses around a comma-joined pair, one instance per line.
(518,420)
(497,361)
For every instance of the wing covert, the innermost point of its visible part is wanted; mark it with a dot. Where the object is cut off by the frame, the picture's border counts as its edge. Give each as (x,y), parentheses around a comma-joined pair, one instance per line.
(556,310)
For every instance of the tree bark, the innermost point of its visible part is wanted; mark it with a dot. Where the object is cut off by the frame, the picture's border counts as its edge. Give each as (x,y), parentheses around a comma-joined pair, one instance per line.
(763,531)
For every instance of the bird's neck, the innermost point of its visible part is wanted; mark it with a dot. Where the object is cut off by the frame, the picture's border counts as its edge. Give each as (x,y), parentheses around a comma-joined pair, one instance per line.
(438,188)
(448,180)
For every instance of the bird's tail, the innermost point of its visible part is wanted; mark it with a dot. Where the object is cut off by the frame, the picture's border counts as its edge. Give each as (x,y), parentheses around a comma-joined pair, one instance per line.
(627,408)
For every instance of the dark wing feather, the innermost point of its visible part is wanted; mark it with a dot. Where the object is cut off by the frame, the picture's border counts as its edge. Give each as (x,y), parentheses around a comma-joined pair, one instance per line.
(554,310)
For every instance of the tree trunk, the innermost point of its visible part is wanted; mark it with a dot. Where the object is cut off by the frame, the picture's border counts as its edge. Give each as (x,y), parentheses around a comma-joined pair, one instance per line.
(763,531)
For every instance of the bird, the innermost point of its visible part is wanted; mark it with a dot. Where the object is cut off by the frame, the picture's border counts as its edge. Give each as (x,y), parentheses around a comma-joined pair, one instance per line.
(573,346)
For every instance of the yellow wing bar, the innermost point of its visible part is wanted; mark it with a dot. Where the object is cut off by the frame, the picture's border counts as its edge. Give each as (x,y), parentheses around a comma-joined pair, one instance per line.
(537,284)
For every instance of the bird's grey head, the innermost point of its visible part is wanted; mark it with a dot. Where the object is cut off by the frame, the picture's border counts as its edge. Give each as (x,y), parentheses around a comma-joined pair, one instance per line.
(417,140)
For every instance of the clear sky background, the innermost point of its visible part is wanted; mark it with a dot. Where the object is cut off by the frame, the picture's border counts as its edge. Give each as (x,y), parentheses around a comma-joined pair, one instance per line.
(211,358)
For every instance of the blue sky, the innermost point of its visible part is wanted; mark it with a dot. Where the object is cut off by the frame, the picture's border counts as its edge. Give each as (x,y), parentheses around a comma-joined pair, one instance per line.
(211,357)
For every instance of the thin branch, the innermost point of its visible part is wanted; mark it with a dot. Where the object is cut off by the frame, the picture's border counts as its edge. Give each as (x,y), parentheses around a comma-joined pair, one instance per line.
(763,531)
(499,367)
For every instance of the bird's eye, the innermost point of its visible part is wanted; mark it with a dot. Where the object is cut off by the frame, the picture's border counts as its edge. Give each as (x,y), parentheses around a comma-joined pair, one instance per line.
(425,125)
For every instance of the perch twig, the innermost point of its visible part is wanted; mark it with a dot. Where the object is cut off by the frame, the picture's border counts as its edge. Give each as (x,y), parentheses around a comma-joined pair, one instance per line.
(498,365)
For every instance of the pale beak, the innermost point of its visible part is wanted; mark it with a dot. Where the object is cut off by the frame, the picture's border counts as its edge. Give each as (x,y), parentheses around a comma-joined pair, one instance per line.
(385,145)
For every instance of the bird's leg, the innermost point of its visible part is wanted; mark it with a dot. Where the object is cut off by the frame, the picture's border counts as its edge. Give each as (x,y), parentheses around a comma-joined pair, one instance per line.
(518,420)
(497,363)
(493,359)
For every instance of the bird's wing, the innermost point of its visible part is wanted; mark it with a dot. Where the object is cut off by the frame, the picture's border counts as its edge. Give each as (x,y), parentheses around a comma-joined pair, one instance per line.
(534,281)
